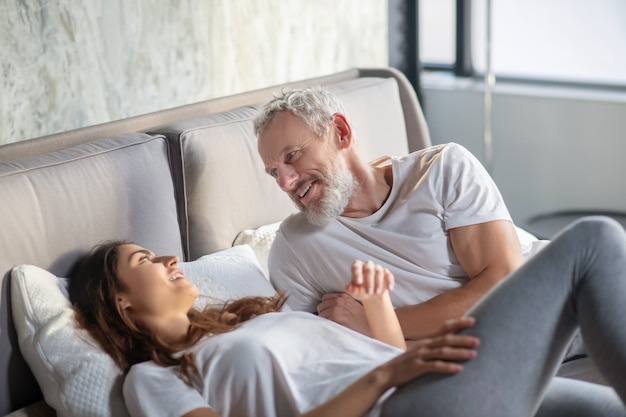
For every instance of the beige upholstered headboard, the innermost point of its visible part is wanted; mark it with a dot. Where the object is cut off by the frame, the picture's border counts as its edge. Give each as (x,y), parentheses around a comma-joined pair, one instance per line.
(188,187)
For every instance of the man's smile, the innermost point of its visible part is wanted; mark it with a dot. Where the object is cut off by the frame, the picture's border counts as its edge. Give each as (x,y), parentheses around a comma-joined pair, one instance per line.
(305,191)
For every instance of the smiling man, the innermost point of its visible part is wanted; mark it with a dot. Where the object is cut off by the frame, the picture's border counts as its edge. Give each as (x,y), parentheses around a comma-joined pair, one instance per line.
(434,218)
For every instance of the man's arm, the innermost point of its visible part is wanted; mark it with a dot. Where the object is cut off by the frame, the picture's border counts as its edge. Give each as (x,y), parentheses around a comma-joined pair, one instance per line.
(487,251)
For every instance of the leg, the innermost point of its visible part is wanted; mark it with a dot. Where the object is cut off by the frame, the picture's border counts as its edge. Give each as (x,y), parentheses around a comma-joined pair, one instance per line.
(571,398)
(564,397)
(526,323)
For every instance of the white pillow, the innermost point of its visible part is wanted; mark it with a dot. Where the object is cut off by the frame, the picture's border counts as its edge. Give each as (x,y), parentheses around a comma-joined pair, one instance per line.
(75,376)
(529,243)
(260,240)
(227,275)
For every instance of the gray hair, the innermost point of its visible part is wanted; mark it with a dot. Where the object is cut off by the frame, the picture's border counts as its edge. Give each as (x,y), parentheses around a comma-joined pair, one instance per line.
(313,105)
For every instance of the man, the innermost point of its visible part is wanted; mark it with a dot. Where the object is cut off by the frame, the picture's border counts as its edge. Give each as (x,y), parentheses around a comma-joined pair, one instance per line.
(434,218)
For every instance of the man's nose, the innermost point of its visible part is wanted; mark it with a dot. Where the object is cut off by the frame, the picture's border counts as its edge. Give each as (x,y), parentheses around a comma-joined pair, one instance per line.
(286,177)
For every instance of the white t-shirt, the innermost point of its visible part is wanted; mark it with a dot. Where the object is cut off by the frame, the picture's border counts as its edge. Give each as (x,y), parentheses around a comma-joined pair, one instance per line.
(434,190)
(277,364)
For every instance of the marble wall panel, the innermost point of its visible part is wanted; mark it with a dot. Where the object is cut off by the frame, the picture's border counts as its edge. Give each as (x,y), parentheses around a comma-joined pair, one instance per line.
(67,63)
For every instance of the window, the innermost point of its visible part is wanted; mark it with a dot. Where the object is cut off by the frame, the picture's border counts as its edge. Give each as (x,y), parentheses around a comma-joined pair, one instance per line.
(437,25)
(556,40)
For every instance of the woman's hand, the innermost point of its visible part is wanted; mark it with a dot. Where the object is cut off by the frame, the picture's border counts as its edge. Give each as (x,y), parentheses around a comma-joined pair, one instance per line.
(442,353)
(370,284)
(369,280)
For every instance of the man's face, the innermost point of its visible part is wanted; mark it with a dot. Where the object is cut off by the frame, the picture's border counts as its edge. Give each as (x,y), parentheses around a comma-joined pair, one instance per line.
(306,167)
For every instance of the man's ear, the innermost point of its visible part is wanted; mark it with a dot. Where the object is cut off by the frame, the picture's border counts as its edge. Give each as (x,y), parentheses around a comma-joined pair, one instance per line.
(343,129)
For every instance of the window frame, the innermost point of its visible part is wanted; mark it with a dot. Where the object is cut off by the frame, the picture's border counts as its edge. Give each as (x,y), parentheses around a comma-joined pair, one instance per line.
(462,66)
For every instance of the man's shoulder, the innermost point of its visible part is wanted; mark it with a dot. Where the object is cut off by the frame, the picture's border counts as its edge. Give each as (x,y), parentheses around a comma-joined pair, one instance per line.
(424,156)
(456,150)
(436,151)
(294,223)
(296,226)
(446,154)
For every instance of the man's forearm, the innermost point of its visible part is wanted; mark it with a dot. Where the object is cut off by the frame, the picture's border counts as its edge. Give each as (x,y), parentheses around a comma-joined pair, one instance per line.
(425,319)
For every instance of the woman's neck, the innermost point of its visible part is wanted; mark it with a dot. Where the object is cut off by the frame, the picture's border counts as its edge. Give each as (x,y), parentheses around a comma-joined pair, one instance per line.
(173,329)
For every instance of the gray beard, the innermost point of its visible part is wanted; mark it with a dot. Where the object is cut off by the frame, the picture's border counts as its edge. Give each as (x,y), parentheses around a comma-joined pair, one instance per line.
(340,187)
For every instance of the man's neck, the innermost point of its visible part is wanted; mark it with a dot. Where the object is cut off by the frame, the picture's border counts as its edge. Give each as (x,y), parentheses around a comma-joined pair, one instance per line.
(375,186)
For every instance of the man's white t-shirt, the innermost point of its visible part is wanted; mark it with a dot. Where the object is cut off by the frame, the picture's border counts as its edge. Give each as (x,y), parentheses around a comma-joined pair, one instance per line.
(434,190)
(277,364)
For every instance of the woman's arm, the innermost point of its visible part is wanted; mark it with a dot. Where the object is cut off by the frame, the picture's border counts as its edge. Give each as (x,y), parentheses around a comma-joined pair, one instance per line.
(370,284)
(439,354)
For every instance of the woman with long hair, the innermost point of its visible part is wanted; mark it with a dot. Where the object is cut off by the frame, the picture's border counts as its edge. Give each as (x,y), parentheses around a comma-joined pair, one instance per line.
(247,359)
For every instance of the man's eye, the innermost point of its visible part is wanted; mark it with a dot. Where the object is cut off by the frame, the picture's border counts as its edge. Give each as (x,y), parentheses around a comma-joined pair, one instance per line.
(290,155)
(144,258)
(274,173)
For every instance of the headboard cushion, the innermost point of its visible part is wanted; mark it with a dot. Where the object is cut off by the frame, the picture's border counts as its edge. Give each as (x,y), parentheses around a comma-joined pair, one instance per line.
(60,203)
(374,109)
(223,177)
(116,188)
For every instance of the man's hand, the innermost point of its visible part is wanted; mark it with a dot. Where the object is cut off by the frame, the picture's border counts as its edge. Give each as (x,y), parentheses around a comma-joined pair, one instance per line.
(345,310)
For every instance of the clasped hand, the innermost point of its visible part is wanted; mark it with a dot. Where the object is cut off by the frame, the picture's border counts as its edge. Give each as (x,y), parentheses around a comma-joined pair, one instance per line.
(369,280)
(443,352)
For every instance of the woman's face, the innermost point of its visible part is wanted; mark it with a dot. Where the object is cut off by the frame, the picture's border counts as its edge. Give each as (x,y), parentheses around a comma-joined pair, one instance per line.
(156,291)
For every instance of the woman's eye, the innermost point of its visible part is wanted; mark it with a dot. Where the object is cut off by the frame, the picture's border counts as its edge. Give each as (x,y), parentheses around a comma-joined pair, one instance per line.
(274,173)
(290,155)
(144,258)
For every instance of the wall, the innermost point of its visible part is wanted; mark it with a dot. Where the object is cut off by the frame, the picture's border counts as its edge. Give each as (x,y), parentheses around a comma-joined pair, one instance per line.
(68,64)
(554,148)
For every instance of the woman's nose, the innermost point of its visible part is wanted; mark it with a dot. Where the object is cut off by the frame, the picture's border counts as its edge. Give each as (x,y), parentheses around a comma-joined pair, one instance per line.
(170,260)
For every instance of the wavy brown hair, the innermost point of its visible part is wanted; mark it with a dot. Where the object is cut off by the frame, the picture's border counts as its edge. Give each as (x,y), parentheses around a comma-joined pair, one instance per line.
(93,288)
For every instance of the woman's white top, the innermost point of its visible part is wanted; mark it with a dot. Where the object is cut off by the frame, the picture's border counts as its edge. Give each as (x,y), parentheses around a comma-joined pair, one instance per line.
(277,364)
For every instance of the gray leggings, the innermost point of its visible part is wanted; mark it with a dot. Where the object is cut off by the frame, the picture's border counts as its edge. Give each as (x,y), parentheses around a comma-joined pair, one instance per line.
(525,325)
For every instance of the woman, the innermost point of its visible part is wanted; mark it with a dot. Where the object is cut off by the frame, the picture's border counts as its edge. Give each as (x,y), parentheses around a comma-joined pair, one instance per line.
(246,359)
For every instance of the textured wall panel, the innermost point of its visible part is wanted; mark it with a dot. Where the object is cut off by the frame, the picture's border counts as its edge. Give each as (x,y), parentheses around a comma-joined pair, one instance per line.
(67,64)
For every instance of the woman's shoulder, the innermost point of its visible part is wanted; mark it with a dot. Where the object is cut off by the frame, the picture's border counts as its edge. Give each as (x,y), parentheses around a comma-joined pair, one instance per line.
(150,389)
(142,369)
